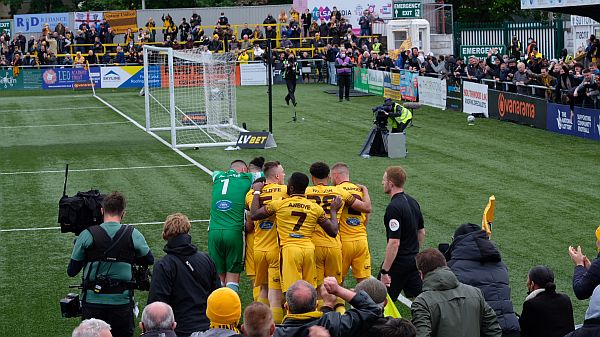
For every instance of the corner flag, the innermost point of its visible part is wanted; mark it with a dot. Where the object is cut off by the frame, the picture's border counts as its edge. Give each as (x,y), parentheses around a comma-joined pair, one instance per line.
(488,216)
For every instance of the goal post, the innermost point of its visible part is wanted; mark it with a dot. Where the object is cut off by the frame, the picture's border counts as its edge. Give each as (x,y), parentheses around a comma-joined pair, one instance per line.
(190,97)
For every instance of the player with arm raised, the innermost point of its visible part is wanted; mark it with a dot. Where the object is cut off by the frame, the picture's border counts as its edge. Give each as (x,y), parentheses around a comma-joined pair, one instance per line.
(226,227)
(328,250)
(297,218)
(266,247)
(353,230)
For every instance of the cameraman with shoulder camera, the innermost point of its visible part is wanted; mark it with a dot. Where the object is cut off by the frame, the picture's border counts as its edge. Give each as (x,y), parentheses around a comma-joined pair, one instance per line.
(107,253)
(398,116)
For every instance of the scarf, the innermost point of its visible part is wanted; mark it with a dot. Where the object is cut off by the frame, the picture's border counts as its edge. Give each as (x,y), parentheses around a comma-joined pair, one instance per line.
(534,294)
(304,316)
(232,327)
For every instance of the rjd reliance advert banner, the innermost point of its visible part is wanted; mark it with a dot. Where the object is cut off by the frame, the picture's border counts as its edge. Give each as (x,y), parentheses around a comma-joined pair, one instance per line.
(432,91)
(34,23)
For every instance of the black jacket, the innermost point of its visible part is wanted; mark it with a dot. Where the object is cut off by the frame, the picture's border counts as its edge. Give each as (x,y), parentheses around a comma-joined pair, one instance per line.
(549,314)
(586,280)
(364,311)
(476,261)
(174,283)
(590,328)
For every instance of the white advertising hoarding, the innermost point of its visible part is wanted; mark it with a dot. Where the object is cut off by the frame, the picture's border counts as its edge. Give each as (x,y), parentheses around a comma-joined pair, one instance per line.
(253,74)
(432,91)
(475,98)
(350,9)
(539,4)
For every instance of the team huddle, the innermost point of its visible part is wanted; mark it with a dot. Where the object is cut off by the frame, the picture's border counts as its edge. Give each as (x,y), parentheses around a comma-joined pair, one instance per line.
(292,232)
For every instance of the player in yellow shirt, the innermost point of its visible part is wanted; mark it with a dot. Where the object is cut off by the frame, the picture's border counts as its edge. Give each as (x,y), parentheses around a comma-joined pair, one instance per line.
(255,167)
(266,247)
(297,218)
(353,230)
(328,251)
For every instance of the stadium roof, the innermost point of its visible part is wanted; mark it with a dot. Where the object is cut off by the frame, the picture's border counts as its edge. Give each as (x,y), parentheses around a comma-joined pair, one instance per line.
(587,8)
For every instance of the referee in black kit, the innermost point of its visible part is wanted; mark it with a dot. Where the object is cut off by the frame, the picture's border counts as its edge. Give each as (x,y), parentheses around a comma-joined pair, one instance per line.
(405,235)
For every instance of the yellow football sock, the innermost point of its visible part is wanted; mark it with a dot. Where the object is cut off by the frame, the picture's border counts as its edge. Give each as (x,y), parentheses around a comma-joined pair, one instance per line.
(255,292)
(263,300)
(277,314)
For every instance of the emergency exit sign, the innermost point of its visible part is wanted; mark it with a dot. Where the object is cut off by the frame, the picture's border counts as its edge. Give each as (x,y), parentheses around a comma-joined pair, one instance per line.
(407,10)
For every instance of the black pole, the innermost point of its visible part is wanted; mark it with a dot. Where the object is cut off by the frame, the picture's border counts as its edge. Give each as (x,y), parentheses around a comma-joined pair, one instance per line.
(270,83)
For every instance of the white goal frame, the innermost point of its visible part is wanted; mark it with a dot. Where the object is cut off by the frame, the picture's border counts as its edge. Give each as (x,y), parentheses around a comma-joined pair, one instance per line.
(212,132)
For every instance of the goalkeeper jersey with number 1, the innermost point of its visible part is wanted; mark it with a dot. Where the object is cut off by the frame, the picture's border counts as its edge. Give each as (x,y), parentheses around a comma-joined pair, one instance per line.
(228,194)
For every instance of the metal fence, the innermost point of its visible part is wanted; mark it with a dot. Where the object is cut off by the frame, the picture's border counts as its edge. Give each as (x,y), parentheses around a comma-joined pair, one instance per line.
(549,36)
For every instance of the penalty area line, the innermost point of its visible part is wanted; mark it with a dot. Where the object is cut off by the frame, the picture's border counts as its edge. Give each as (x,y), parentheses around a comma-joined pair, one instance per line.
(54,228)
(54,109)
(95,169)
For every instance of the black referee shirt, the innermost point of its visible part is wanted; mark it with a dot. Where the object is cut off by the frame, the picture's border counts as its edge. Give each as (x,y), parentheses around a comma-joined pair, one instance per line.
(402,221)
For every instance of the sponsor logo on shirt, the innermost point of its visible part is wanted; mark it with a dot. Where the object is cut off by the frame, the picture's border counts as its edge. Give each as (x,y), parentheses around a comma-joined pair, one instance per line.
(353,222)
(266,225)
(223,205)
(296,235)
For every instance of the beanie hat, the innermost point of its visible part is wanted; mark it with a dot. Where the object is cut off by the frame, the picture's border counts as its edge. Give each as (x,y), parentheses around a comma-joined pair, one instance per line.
(598,233)
(466,229)
(224,307)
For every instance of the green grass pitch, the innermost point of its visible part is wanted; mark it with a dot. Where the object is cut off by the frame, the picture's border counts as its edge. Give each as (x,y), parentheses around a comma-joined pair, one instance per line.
(546,185)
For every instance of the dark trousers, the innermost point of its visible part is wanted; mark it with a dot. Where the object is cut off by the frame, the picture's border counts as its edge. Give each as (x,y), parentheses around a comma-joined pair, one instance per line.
(344,85)
(120,317)
(401,127)
(291,87)
(405,276)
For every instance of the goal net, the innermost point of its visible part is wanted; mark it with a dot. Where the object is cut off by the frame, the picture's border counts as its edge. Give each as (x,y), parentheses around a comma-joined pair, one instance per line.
(190,97)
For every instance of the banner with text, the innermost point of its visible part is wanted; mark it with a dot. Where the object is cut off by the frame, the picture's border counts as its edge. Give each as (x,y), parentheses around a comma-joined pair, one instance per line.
(375,82)
(34,23)
(481,52)
(253,74)
(5,26)
(475,98)
(432,91)
(391,86)
(121,20)
(583,123)
(351,10)
(454,94)
(129,77)
(518,108)
(70,78)
(409,86)
(26,79)
(361,80)
(89,18)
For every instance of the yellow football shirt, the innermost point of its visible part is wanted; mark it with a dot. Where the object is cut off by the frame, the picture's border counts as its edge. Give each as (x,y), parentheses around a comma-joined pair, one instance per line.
(352,222)
(265,231)
(323,196)
(296,218)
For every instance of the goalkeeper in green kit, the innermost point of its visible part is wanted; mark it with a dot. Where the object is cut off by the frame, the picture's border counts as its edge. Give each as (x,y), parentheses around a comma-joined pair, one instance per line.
(226,228)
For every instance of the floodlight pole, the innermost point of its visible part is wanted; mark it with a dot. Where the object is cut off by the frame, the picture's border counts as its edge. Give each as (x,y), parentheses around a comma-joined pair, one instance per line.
(270,83)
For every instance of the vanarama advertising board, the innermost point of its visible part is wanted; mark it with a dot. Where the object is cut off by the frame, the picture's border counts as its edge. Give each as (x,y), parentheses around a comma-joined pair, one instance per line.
(518,108)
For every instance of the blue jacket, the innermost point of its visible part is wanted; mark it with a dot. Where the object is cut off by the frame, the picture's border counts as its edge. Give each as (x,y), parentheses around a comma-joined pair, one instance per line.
(584,281)
(476,261)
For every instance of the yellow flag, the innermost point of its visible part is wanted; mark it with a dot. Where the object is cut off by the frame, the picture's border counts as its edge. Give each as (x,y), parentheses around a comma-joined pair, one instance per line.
(488,216)
(406,45)
(390,309)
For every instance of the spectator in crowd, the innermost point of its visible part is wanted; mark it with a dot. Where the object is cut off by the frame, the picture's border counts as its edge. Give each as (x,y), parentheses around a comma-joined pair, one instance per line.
(531,44)
(151,27)
(113,302)
(184,278)
(158,321)
(224,311)
(545,312)
(336,14)
(223,20)
(130,39)
(307,22)
(270,21)
(583,94)
(98,46)
(447,307)
(476,261)
(285,43)
(377,291)
(258,321)
(343,67)
(246,31)
(405,234)
(79,61)
(515,49)
(68,61)
(92,327)
(184,29)
(282,18)
(520,79)
(473,71)
(215,44)
(243,57)
(106,59)
(544,79)
(301,302)
(591,325)
(565,84)
(365,24)
(271,33)
(195,19)
(257,33)
(586,276)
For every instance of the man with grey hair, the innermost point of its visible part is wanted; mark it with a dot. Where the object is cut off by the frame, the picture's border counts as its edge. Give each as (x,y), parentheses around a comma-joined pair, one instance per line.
(302,310)
(383,326)
(92,328)
(158,320)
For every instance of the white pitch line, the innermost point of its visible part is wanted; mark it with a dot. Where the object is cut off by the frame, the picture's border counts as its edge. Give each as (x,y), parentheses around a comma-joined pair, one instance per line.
(95,169)
(53,228)
(54,109)
(59,125)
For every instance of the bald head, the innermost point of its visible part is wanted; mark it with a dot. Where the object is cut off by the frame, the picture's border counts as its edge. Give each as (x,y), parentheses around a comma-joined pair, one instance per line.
(301,297)
(239,166)
(157,316)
